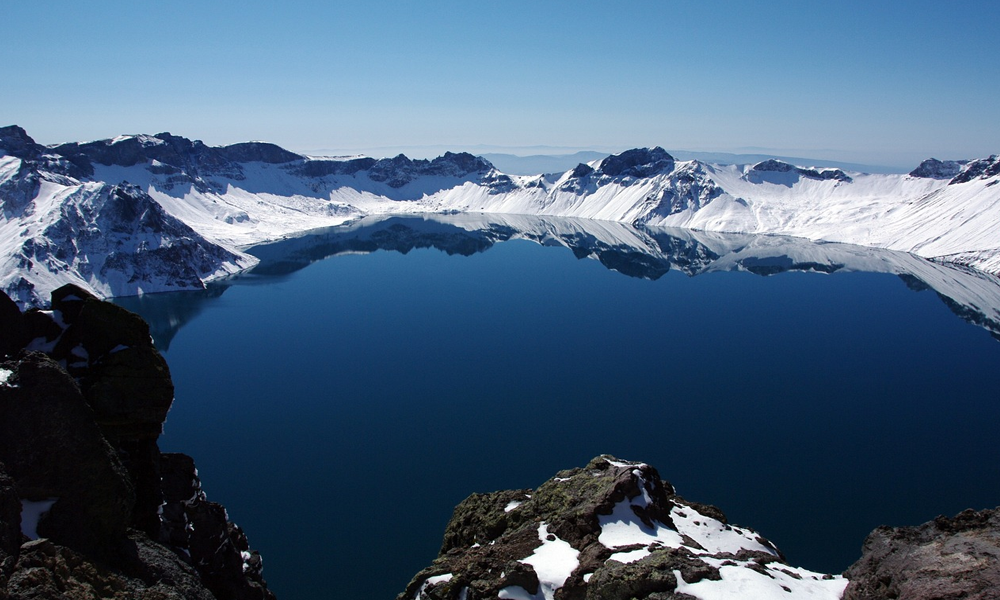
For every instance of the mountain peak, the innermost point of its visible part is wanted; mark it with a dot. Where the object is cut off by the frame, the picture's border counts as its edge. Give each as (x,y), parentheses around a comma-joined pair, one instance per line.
(16,142)
(933,168)
(637,162)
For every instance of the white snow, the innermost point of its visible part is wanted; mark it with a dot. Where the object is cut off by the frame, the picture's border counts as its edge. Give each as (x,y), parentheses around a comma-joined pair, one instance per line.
(630,556)
(925,217)
(553,562)
(512,505)
(623,528)
(739,583)
(434,580)
(5,377)
(31,512)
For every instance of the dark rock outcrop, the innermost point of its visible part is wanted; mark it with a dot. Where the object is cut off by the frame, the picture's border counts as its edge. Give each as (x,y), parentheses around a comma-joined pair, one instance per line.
(759,172)
(400,170)
(610,530)
(44,420)
(637,162)
(945,559)
(933,168)
(624,169)
(229,568)
(82,403)
(984,168)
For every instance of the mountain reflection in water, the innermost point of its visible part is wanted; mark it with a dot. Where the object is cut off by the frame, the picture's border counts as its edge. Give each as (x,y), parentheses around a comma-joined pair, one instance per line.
(647,253)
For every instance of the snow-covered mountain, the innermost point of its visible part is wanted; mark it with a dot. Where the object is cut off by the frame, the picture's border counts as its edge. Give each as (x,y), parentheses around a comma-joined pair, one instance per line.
(145,213)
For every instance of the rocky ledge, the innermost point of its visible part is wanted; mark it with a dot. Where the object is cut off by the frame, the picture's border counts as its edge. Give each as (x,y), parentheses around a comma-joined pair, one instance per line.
(89,507)
(613,530)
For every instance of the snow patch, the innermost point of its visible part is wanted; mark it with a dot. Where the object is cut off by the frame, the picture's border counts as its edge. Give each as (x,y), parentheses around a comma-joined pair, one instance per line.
(5,377)
(739,582)
(434,580)
(553,562)
(31,512)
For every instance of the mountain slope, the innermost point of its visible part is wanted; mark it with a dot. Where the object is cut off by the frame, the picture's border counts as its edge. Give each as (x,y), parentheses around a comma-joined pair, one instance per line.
(110,238)
(245,194)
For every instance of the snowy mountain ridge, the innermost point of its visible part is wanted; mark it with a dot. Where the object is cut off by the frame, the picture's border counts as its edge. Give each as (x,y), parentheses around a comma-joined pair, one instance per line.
(191,207)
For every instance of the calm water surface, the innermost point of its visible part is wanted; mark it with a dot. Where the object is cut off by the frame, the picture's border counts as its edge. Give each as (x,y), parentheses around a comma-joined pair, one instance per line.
(342,410)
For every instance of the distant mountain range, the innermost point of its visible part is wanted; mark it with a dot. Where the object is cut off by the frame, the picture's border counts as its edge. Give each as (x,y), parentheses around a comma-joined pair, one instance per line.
(531,164)
(146,213)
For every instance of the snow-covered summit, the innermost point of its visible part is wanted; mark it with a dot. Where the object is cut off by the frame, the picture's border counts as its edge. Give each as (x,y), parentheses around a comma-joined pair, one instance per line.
(253,192)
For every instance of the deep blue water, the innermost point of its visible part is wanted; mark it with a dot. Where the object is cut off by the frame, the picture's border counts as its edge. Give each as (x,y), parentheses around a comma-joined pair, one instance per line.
(341,411)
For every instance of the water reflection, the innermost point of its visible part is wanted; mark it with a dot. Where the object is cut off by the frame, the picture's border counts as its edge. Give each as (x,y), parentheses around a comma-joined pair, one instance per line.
(647,253)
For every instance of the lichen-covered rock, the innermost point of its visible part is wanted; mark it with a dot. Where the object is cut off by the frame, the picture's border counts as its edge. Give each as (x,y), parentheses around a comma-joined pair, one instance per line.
(945,559)
(611,530)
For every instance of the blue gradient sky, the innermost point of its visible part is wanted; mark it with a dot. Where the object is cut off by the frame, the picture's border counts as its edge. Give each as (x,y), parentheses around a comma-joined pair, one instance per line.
(882,82)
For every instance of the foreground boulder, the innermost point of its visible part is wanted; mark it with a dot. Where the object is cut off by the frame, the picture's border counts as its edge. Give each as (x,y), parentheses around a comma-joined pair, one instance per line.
(945,559)
(610,530)
(89,507)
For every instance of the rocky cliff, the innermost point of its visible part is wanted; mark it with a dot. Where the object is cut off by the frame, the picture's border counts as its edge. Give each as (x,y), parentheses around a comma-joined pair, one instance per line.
(89,507)
(613,530)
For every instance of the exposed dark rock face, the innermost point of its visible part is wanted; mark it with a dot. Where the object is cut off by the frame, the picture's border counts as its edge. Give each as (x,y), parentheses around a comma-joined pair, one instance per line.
(689,188)
(80,412)
(44,419)
(945,559)
(229,568)
(46,570)
(933,168)
(582,170)
(10,526)
(984,168)
(258,152)
(638,162)
(625,169)
(758,172)
(400,170)
(611,530)
(116,234)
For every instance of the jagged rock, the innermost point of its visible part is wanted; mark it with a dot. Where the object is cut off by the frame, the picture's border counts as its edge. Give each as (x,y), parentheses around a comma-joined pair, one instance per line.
(773,166)
(54,450)
(15,330)
(46,570)
(115,237)
(85,492)
(945,559)
(582,170)
(498,183)
(218,548)
(758,173)
(651,578)
(688,189)
(983,168)
(611,530)
(638,162)
(10,526)
(321,167)
(123,377)
(400,170)
(258,152)
(933,168)
(15,141)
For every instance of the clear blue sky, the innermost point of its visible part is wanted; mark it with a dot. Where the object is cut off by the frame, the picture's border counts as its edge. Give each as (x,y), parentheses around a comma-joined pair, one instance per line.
(886,81)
